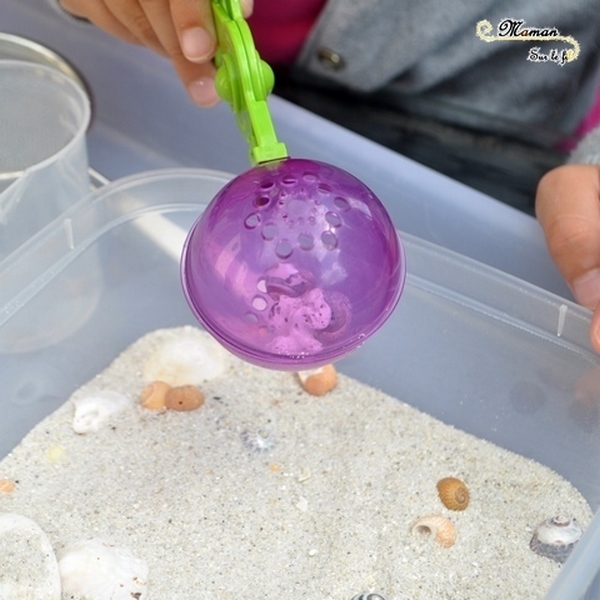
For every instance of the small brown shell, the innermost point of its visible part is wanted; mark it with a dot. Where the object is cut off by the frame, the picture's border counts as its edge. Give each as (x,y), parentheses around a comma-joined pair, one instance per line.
(439,527)
(317,382)
(154,394)
(184,398)
(453,493)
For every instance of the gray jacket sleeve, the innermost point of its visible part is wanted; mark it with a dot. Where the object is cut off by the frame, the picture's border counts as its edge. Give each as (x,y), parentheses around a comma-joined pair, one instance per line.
(588,151)
(430,49)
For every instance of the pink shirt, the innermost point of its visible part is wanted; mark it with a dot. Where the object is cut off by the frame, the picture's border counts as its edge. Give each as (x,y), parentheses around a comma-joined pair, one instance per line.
(591,120)
(280,27)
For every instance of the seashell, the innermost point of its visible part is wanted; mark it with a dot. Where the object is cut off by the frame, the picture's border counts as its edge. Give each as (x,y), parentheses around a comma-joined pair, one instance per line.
(184,398)
(7,486)
(317,382)
(453,493)
(29,567)
(191,357)
(258,440)
(96,569)
(153,395)
(368,596)
(438,526)
(92,412)
(555,538)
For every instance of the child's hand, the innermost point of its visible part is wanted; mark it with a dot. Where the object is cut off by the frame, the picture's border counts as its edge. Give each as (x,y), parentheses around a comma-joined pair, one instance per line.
(568,208)
(181,30)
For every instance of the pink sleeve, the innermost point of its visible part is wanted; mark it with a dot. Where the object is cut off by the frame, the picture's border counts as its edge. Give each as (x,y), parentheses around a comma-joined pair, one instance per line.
(280,28)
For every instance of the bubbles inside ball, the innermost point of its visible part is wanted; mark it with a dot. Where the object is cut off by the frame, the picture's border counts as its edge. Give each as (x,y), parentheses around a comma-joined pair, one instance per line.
(293,265)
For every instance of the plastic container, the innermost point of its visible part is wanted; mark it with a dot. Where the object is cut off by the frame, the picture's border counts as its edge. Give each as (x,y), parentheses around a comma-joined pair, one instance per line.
(474,347)
(44,114)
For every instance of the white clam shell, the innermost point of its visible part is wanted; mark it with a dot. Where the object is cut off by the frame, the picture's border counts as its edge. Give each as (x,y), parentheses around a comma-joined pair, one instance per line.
(93,411)
(96,569)
(28,566)
(190,358)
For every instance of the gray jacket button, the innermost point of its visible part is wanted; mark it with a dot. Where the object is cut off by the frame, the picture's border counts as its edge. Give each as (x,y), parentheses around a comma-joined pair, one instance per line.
(330,59)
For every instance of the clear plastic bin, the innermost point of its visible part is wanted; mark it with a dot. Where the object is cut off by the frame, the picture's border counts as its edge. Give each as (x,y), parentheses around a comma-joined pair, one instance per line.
(472,346)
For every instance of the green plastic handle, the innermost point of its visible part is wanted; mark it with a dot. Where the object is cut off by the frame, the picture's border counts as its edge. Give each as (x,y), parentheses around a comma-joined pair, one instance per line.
(244,81)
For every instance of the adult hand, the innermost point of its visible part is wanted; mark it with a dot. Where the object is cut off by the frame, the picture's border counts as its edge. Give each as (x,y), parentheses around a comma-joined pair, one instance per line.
(181,30)
(568,208)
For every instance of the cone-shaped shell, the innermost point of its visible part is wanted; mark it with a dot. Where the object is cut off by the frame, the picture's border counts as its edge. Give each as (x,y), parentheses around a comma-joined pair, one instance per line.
(555,538)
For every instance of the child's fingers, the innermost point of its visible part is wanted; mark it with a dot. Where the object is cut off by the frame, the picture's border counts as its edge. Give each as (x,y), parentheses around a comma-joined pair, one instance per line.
(194,26)
(98,13)
(568,208)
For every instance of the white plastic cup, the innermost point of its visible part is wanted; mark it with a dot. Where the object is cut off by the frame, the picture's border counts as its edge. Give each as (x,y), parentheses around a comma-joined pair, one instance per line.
(44,115)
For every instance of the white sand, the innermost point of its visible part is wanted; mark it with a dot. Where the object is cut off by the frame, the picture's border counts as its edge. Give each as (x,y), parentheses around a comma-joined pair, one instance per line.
(325,514)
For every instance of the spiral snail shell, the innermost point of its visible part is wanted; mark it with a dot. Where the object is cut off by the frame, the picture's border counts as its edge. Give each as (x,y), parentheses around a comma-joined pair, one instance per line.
(368,596)
(453,493)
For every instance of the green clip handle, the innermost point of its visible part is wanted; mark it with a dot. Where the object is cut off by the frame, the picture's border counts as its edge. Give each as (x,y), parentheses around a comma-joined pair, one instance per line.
(244,81)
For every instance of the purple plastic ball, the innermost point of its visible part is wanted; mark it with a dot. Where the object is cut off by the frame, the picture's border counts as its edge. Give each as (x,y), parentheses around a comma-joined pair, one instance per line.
(293,265)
